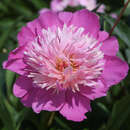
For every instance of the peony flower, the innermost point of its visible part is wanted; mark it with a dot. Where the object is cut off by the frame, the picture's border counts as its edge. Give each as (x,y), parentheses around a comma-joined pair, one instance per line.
(102,8)
(59,5)
(88,4)
(64,62)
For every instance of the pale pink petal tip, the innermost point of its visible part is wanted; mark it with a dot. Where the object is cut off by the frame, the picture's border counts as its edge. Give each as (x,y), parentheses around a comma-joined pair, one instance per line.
(43,10)
(59,5)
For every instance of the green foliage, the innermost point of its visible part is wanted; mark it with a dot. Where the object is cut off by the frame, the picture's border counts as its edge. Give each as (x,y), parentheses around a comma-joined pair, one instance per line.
(108,113)
(121,30)
(120,113)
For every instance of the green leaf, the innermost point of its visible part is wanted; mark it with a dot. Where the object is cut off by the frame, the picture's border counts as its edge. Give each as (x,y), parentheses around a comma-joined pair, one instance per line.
(107,26)
(127,52)
(5,114)
(6,22)
(120,112)
(127,11)
(39,4)
(21,8)
(19,117)
(121,30)
(62,124)
(3,7)
(4,36)
(103,107)
(9,78)
(115,90)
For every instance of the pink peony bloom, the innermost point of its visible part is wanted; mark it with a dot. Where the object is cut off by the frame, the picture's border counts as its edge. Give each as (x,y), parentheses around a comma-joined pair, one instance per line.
(114,15)
(65,61)
(59,5)
(102,8)
(88,4)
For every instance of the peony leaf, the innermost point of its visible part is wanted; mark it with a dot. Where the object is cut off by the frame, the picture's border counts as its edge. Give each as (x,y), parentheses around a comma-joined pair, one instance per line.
(9,78)
(21,8)
(5,114)
(121,30)
(61,123)
(39,4)
(127,11)
(120,112)
(127,52)
(4,37)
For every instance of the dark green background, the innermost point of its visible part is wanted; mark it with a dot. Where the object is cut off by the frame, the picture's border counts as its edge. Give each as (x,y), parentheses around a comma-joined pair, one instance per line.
(108,113)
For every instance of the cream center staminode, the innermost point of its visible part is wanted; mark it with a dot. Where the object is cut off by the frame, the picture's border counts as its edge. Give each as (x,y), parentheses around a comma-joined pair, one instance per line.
(64,58)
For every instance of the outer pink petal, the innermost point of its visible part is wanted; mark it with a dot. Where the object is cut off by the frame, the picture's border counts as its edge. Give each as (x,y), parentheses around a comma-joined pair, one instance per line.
(100,90)
(48,100)
(88,20)
(22,86)
(29,32)
(94,92)
(29,97)
(110,46)
(15,62)
(75,106)
(59,5)
(87,92)
(101,9)
(89,4)
(43,10)
(102,35)
(65,17)
(35,27)
(49,19)
(114,15)
(25,36)
(37,98)
(114,70)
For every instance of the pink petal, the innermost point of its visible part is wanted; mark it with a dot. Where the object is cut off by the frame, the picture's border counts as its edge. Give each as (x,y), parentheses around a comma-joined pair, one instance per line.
(114,70)
(65,17)
(110,46)
(59,5)
(114,15)
(101,9)
(48,100)
(75,106)
(29,32)
(89,4)
(35,27)
(100,90)
(102,35)
(87,92)
(88,20)
(15,62)
(94,92)
(49,19)
(25,36)
(30,96)
(37,98)
(22,86)
(43,10)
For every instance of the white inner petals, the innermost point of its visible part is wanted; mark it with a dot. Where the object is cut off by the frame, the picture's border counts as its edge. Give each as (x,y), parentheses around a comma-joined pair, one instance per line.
(64,59)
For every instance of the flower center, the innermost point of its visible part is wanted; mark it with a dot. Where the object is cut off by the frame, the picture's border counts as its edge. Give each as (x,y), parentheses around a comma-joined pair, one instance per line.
(64,59)
(62,64)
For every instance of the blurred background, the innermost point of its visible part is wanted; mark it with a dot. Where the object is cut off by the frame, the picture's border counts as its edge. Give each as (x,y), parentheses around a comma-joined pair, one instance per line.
(108,113)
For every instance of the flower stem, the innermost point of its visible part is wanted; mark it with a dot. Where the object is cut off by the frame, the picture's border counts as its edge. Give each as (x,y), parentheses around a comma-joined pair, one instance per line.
(119,17)
(51,119)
